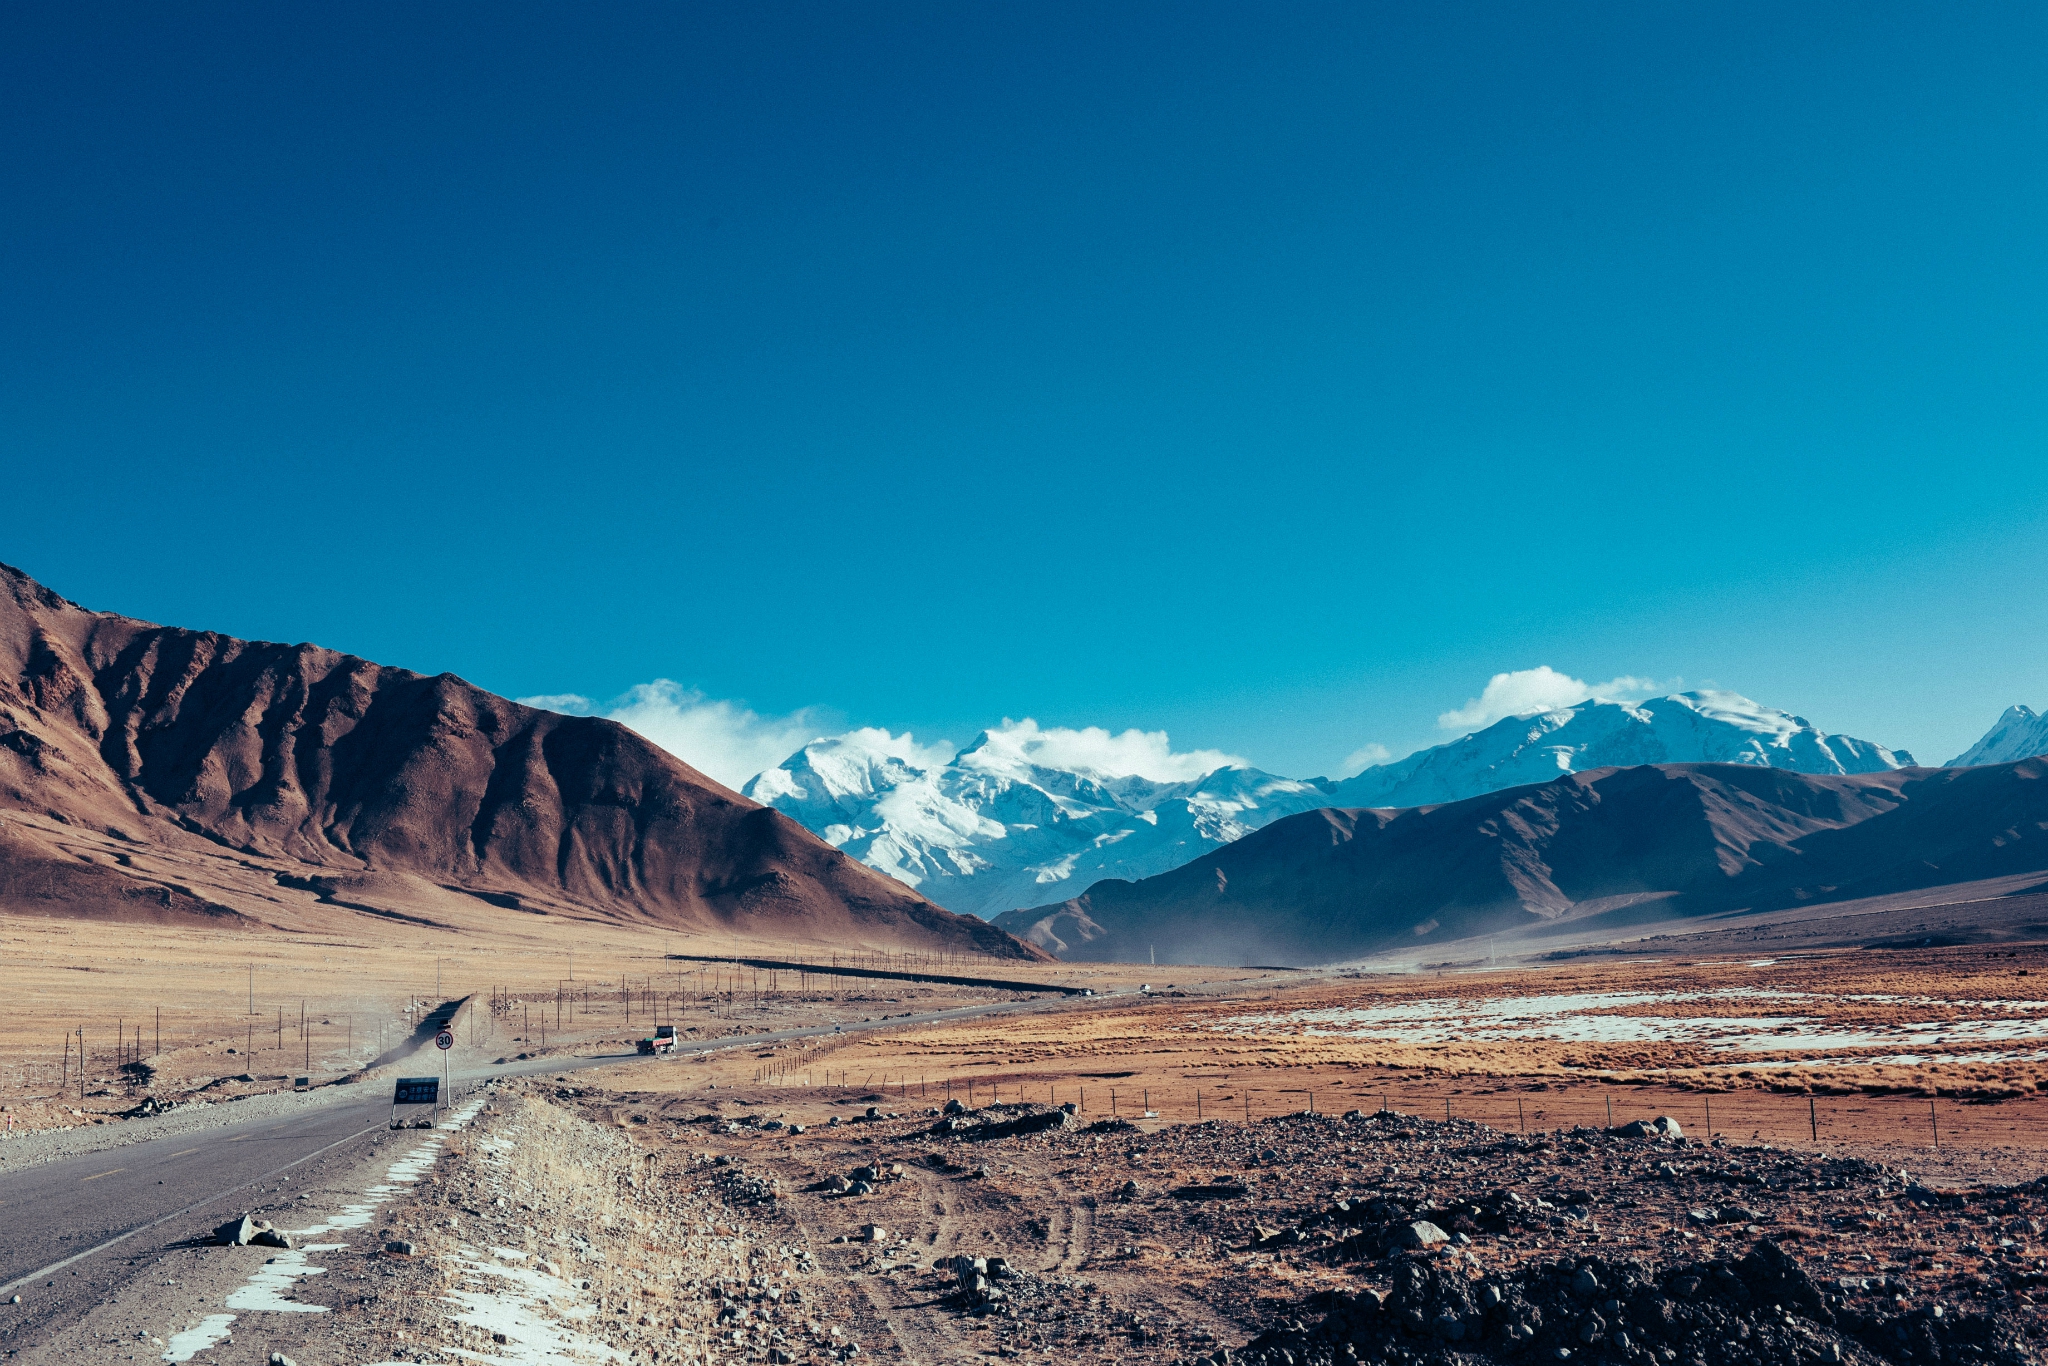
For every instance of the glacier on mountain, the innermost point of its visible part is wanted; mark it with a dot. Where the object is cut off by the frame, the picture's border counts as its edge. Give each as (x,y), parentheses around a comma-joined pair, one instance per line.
(2019,734)
(1706,726)
(1010,821)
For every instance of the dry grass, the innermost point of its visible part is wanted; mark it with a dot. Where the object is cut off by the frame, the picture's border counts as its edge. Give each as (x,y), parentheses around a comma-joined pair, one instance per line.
(1195,1056)
(362,979)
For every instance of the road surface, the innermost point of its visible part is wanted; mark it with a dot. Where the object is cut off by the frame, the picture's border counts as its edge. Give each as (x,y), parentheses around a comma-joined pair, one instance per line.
(74,1232)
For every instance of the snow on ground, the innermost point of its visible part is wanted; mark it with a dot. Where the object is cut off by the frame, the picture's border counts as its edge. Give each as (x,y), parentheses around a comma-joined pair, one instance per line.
(1619,1017)
(269,1289)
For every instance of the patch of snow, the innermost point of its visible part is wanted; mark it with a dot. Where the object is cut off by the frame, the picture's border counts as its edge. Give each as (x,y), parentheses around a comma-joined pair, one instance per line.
(1594,1017)
(268,1289)
(532,1309)
(211,1331)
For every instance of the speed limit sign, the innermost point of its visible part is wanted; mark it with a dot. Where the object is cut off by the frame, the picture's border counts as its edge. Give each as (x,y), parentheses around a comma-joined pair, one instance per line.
(444,1040)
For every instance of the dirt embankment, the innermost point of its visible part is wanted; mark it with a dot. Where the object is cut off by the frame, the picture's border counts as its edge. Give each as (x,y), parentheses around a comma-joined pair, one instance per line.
(689,1225)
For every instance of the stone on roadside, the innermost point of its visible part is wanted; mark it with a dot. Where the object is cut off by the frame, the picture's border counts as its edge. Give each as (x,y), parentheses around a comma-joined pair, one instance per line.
(401,1247)
(874,1233)
(270,1237)
(237,1232)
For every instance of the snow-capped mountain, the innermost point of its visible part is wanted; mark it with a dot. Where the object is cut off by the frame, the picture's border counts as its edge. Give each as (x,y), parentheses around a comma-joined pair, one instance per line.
(2020,734)
(1684,728)
(991,829)
(997,825)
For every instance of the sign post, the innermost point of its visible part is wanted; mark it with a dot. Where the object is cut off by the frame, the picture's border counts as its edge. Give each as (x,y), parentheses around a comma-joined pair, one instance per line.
(443,1041)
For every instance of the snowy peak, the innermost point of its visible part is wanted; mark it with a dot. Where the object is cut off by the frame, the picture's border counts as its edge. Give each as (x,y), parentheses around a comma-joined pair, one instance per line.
(1692,727)
(2019,734)
(994,826)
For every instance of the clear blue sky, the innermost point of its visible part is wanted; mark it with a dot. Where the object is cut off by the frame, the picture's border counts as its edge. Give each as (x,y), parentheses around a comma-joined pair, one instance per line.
(1270,374)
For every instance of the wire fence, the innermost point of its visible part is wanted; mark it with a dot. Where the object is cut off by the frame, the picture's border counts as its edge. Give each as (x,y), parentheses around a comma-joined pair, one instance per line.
(1745,1116)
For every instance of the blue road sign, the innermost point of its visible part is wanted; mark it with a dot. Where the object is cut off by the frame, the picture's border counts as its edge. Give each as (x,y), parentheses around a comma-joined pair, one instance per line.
(417,1091)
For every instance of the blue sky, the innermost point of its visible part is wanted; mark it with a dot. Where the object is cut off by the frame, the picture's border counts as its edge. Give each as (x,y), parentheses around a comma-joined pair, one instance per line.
(1269,375)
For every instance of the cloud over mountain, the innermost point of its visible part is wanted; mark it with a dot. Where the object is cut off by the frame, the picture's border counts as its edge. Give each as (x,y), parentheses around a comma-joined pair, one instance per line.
(723,739)
(1525,692)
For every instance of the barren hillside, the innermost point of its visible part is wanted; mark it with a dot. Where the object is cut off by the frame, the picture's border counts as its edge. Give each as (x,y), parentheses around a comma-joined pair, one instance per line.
(1655,841)
(121,741)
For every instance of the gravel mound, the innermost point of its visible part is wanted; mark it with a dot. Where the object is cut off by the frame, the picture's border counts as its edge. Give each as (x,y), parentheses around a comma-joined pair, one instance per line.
(1756,1310)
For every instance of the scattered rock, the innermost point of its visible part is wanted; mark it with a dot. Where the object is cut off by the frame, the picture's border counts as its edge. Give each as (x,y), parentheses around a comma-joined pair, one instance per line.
(1663,1126)
(1420,1236)
(401,1247)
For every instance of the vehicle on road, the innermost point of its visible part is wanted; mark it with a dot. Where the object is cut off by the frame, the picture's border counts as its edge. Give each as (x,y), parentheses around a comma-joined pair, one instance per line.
(662,1041)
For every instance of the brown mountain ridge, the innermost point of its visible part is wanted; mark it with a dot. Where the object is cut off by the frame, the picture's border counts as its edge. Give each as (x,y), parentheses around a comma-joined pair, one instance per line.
(1662,841)
(320,770)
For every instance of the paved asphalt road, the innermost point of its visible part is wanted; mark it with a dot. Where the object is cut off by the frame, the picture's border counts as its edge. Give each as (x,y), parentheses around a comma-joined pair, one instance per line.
(71,1231)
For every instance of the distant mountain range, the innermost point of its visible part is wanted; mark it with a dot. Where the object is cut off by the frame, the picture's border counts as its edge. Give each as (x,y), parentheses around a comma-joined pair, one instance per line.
(1645,842)
(992,830)
(294,773)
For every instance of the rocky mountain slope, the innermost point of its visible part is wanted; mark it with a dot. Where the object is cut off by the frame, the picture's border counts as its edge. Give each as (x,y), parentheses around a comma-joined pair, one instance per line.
(1690,838)
(2019,734)
(995,827)
(316,766)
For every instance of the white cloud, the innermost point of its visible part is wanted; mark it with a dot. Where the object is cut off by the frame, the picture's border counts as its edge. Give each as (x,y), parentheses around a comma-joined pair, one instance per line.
(875,740)
(573,703)
(1364,757)
(1526,692)
(732,743)
(1093,750)
(721,739)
